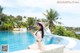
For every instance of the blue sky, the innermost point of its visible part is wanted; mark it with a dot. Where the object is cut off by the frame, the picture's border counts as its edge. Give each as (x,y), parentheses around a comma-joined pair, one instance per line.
(69,12)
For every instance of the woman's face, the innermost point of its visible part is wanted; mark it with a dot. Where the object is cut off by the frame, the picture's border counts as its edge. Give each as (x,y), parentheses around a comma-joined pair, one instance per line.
(38,26)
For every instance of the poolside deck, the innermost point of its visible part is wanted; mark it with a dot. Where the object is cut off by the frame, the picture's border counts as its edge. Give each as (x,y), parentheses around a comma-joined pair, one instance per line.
(71,51)
(48,49)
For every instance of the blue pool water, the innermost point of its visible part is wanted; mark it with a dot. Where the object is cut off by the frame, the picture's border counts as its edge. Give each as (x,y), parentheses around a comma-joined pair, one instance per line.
(21,40)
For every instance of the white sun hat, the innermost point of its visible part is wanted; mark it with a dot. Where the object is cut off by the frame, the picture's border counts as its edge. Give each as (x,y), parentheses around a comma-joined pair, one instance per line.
(43,24)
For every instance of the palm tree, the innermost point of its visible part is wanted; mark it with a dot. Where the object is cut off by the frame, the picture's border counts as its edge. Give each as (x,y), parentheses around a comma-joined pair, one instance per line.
(44,20)
(19,18)
(6,22)
(51,16)
(1,9)
(30,21)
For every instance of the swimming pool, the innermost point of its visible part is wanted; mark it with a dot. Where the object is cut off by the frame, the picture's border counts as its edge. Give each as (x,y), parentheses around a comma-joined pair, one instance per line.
(21,40)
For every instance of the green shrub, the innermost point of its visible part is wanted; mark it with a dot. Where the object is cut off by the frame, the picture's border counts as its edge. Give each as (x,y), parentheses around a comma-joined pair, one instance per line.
(59,30)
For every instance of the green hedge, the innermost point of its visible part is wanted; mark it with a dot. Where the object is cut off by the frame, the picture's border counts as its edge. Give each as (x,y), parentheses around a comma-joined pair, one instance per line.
(60,30)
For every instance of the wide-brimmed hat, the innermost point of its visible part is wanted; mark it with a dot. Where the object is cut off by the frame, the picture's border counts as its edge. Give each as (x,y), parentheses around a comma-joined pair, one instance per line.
(42,23)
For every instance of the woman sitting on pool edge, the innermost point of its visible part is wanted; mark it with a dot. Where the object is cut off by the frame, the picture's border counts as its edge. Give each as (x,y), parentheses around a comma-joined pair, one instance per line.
(38,36)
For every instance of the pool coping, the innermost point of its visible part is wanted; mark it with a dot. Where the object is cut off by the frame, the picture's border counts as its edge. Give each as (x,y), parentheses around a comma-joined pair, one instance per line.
(72,42)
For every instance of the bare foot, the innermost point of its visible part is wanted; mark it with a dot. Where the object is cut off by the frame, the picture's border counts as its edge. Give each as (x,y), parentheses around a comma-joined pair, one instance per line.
(28,47)
(42,49)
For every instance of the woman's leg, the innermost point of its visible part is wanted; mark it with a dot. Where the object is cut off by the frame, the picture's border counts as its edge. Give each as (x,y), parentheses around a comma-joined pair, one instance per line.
(40,46)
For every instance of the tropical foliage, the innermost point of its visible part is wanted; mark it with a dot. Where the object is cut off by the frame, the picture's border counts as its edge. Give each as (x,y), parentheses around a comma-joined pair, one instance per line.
(51,16)
(30,21)
(9,22)
(1,9)
(60,30)
(6,22)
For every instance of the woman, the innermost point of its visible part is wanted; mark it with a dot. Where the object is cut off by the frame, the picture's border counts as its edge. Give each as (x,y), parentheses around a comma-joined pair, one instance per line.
(39,36)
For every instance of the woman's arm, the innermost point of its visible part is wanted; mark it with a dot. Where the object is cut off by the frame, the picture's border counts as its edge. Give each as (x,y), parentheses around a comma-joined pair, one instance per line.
(33,34)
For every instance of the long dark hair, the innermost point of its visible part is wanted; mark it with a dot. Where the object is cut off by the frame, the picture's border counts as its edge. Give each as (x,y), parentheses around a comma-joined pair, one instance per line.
(41,29)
